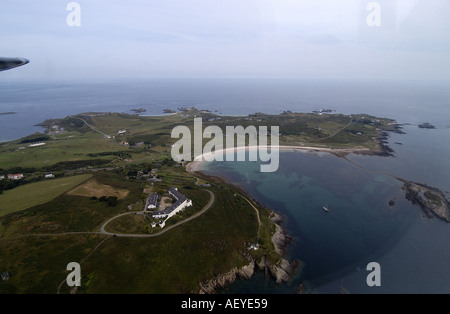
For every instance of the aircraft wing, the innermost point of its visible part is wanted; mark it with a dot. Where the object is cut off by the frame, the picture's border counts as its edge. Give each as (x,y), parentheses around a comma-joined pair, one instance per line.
(10,63)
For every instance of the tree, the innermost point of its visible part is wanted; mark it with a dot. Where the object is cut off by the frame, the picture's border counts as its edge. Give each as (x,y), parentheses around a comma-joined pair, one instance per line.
(112,201)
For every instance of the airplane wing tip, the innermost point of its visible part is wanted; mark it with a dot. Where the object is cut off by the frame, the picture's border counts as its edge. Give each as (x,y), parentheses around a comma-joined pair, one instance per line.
(10,63)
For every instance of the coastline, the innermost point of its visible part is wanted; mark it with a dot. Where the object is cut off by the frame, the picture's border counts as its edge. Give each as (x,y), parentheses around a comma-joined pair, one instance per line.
(440,208)
(285,269)
(197,166)
(281,271)
(198,161)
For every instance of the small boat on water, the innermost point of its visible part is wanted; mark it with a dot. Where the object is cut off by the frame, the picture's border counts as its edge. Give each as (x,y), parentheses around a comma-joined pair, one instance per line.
(325,208)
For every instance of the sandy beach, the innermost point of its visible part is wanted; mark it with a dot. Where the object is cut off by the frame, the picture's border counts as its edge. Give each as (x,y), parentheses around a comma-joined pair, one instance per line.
(195,165)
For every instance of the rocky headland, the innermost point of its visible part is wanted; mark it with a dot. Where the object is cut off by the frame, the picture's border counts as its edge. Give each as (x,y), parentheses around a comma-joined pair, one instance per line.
(281,271)
(431,200)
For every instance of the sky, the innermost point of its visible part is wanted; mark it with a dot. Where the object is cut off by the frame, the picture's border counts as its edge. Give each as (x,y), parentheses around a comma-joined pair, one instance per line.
(307,39)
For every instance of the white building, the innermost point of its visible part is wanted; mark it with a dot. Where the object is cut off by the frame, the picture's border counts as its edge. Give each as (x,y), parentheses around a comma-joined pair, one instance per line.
(181,203)
(36,144)
(16,176)
(49,175)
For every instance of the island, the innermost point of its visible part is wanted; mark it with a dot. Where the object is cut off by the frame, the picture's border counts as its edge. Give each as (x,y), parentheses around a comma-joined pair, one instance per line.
(320,111)
(139,110)
(169,111)
(426,125)
(430,199)
(8,112)
(101,187)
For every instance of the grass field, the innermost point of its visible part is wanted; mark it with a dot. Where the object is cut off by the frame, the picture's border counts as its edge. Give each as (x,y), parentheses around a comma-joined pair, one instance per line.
(171,263)
(131,223)
(176,261)
(330,130)
(33,194)
(40,223)
(56,151)
(93,188)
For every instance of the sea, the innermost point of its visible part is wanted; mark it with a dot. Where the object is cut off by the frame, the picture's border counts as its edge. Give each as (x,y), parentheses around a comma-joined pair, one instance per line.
(335,247)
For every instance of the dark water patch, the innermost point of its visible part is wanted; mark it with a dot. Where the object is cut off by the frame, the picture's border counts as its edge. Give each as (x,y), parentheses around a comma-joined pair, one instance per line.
(359,228)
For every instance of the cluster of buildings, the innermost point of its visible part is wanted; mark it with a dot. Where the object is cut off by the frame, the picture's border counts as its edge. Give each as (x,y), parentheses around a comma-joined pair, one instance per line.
(181,202)
(55,129)
(18,176)
(124,142)
(136,145)
(154,176)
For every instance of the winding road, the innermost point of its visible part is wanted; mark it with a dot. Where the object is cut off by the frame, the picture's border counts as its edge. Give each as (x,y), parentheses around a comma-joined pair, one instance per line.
(257,215)
(330,136)
(126,235)
(103,231)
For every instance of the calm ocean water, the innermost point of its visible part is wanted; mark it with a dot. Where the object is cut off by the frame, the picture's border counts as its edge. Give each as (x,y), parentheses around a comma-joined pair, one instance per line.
(360,227)
(414,253)
(409,102)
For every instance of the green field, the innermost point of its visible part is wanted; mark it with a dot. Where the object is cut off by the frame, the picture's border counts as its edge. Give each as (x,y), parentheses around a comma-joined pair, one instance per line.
(174,262)
(37,193)
(56,151)
(80,142)
(40,224)
(131,223)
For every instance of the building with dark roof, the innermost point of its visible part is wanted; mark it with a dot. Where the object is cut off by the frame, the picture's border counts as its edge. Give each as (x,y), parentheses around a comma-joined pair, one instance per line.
(175,193)
(152,201)
(181,203)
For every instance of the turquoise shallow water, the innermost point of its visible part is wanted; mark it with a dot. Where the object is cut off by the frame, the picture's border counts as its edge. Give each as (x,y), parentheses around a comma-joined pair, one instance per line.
(359,228)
